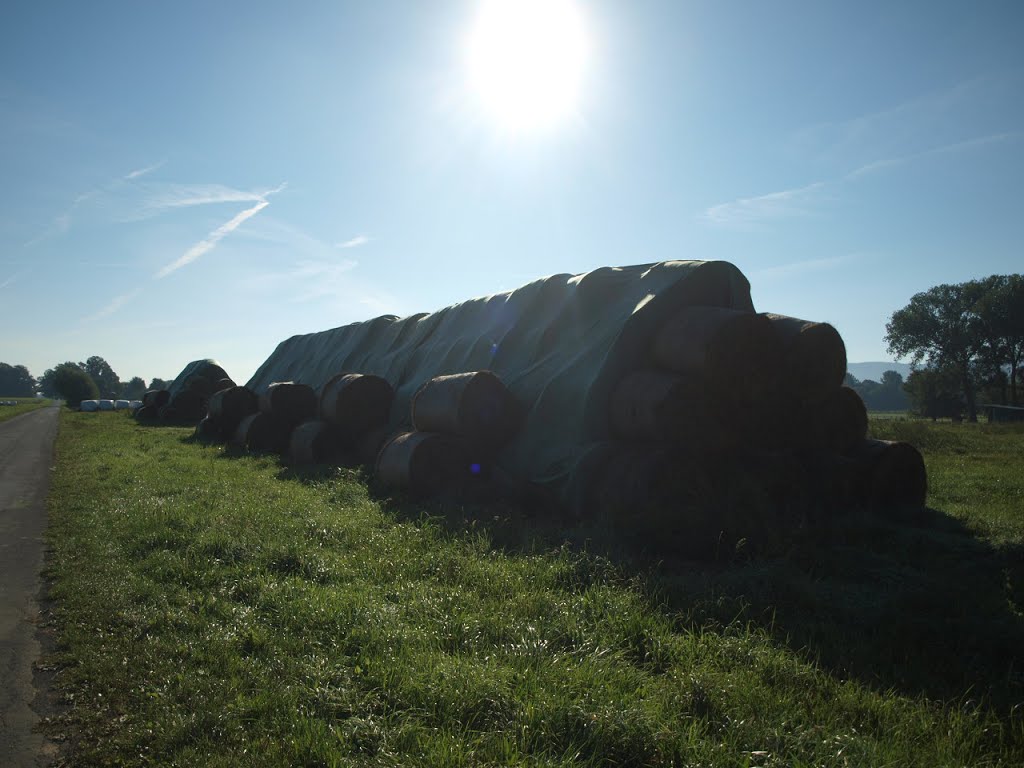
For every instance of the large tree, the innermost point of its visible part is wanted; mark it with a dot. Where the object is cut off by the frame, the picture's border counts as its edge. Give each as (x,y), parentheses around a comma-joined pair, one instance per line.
(134,389)
(1000,313)
(101,373)
(73,384)
(941,327)
(159,384)
(16,381)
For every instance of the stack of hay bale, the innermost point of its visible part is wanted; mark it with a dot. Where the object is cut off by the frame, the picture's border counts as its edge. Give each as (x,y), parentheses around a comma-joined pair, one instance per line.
(737,404)
(460,424)
(187,398)
(346,424)
(352,423)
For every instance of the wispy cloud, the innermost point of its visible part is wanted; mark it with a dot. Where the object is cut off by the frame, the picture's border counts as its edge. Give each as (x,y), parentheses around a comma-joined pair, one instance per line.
(115,304)
(800,201)
(8,281)
(355,242)
(774,205)
(808,265)
(209,242)
(138,173)
(959,146)
(163,197)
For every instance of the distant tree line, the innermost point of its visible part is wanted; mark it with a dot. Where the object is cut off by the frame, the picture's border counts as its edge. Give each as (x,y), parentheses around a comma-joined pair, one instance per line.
(885,395)
(969,337)
(74,382)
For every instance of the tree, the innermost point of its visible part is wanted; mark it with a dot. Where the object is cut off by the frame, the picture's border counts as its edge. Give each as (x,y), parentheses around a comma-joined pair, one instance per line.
(159,384)
(941,326)
(16,381)
(935,393)
(134,389)
(73,384)
(1000,314)
(101,373)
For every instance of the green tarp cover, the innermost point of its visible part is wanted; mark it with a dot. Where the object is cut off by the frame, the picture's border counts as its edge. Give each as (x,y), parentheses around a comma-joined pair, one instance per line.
(560,344)
(208,369)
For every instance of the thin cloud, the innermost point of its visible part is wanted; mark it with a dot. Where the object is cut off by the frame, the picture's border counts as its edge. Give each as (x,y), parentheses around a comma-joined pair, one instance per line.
(355,242)
(959,146)
(165,197)
(8,281)
(115,304)
(143,171)
(209,242)
(774,205)
(809,265)
(799,201)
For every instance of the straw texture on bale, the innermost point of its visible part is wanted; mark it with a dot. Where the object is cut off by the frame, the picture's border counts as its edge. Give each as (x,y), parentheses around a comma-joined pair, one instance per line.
(840,421)
(813,355)
(367,447)
(199,384)
(731,349)
(475,406)
(314,442)
(356,403)
(425,464)
(651,404)
(189,405)
(261,432)
(147,412)
(168,413)
(289,403)
(230,406)
(209,430)
(892,474)
(156,397)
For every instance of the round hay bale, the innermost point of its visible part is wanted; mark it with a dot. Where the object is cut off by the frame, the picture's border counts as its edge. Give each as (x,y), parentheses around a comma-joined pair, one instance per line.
(426,464)
(167,413)
(651,404)
(813,356)
(222,384)
(261,432)
(289,403)
(158,398)
(367,447)
(736,352)
(147,413)
(230,406)
(842,420)
(314,442)
(475,406)
(892,475)
(199,384)
(89,406)
(209,430)
(189,405)
(356,403)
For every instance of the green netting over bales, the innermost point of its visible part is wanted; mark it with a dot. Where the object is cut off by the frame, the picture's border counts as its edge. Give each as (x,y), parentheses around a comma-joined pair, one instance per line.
(560,344)
(207,369)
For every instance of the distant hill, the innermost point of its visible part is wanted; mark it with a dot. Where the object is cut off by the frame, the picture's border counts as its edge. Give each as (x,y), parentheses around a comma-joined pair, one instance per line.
(874,371)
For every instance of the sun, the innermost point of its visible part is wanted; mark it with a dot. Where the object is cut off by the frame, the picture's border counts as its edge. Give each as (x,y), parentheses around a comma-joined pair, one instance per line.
(526,61)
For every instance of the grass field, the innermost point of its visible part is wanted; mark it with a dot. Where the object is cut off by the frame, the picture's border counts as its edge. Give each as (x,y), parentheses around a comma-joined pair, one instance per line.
(25,404)
(220,609)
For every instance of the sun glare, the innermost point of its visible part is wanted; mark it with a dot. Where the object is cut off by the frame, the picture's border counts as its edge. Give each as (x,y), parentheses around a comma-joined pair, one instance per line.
(526,60)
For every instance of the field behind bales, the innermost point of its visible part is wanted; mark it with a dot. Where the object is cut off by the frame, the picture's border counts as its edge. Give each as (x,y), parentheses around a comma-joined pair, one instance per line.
(22,405)
(214,608)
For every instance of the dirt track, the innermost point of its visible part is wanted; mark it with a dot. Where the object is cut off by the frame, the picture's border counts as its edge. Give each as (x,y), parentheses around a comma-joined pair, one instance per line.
(26,455)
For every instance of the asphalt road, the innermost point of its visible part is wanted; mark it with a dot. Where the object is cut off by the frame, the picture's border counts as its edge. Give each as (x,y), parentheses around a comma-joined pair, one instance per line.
(26,455)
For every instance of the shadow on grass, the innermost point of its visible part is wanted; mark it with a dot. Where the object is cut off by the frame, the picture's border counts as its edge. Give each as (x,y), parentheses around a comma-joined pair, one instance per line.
(912,602)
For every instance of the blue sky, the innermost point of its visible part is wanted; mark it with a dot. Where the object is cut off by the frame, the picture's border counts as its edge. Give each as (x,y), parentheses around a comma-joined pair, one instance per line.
(195,179)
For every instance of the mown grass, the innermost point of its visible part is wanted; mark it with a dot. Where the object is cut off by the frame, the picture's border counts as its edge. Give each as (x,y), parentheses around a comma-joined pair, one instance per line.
(24,405)
(216,609)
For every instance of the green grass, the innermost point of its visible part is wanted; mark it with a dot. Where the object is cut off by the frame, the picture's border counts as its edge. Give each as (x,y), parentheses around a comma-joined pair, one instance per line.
(25,404)
(218,609)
